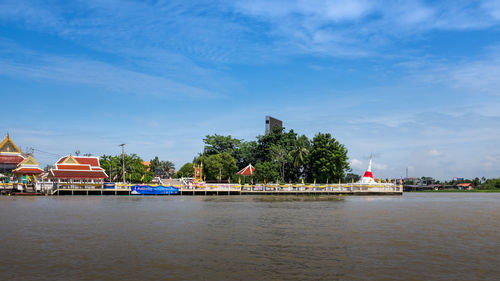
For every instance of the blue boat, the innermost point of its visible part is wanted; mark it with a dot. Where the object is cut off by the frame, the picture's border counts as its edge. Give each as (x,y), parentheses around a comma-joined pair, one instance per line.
(153,190)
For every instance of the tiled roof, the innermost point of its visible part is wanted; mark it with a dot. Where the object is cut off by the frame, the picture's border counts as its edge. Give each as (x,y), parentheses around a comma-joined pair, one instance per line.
(67,174)
(11,159)
(73,167)
(247,171)
(25,170)
(92,161)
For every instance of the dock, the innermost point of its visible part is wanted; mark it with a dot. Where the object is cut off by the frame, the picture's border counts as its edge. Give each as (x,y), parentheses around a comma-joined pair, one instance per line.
(227,190)
(216,189)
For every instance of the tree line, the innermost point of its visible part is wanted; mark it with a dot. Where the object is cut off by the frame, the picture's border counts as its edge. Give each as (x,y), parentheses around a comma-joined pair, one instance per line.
(135,169)
(279,156)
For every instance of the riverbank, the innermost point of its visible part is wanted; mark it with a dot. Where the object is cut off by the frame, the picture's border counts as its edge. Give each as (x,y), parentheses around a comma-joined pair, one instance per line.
(459,191)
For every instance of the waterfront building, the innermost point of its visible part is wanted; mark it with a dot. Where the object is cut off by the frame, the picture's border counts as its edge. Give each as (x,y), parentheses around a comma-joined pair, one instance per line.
(77,172)
(27,172)
(10,155)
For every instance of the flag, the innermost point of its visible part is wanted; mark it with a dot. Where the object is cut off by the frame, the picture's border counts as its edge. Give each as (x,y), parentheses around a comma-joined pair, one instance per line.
(114,178)
(302,181)
(142,178)
(239,180)
(314,181)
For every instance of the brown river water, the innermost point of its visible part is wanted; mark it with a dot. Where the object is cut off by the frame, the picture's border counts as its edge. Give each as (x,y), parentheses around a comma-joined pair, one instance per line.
(417,236)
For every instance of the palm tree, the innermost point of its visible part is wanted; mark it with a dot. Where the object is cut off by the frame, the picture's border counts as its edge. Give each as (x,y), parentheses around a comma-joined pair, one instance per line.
(167,168)
(280,156)
(299,153)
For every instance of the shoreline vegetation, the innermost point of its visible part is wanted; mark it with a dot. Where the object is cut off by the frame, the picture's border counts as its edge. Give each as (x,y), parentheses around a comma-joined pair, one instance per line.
(279,156)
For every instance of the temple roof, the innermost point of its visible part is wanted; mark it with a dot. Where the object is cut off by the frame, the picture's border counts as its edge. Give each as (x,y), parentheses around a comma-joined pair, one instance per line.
(7,146)
(28,170)
(67,174)
(28,166)
(247,171)
(87,160)
(11,159)
(76,167)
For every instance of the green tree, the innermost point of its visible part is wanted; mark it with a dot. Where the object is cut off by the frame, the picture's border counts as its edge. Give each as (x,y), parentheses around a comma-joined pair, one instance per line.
(299,155)
(267,171)
(350,177)
(217,144)
(280,156)
(276,146)
(135,170)
(162,169)
(246,154)
(186,171)
(221,162)
(327,158)
(490,184)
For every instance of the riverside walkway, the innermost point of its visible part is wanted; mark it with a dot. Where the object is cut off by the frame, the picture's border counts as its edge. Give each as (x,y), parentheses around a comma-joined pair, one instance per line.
(236,189)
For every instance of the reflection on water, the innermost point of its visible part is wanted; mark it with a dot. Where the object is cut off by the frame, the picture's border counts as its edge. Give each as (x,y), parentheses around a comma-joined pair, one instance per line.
(410,237)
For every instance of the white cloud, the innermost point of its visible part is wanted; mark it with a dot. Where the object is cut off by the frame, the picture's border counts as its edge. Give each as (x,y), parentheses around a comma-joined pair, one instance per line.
(357,164)
(434,152)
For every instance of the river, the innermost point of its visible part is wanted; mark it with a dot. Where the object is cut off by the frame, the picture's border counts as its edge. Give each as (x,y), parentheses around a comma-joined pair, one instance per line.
(417,236)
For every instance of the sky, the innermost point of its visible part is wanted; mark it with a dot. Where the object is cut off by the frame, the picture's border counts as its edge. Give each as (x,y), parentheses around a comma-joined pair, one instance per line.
(416,83)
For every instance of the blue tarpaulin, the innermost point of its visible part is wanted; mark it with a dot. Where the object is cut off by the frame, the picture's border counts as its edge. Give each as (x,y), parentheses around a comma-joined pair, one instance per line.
(153,190)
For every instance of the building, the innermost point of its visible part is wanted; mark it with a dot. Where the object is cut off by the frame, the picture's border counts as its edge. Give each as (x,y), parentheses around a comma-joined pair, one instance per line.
(77,172)
(27,172)
(272,123)
(10,155)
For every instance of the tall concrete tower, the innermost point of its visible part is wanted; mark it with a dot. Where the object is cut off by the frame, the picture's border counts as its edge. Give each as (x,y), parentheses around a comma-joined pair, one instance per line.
(272,123)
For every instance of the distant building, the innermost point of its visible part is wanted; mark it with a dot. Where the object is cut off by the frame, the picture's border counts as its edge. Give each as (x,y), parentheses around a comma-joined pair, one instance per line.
(77,172)
(272,123)
(10,155)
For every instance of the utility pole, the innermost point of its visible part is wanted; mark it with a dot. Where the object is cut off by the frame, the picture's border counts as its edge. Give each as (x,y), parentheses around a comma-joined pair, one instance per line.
(123,161)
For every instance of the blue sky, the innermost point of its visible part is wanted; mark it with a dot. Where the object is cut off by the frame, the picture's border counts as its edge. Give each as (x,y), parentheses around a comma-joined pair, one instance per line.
(416,83)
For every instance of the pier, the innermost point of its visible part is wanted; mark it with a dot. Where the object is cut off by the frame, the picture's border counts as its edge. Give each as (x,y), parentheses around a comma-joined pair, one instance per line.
(235,189)
(215,189)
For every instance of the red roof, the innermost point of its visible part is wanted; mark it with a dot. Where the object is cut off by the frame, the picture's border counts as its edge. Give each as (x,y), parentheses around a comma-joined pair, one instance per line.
(11,159)
(66,174)
(464,184)
(26,170)
(73,167)
(247,171)
(92,161)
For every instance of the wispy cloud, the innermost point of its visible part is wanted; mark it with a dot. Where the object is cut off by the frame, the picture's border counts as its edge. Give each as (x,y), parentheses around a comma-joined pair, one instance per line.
(98,74)
(362,28)
(475,75)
